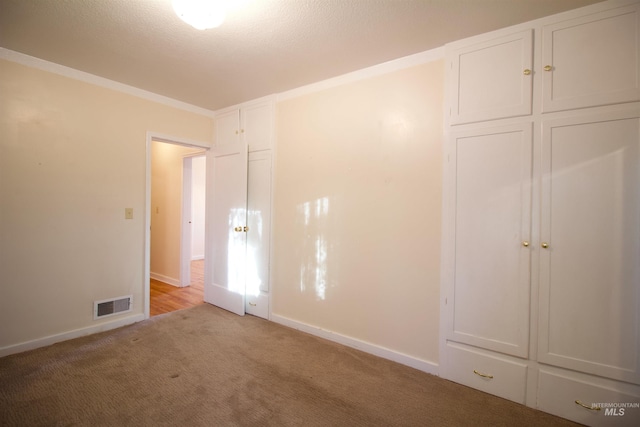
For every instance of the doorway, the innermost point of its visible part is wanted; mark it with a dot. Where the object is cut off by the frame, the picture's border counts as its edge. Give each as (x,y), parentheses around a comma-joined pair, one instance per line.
(174,224)
(193,216)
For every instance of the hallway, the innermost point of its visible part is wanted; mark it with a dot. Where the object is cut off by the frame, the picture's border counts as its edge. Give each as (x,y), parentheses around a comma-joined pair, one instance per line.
(167,298)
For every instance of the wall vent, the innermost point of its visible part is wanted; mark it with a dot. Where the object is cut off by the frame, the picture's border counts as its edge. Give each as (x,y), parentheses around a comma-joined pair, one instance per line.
(109,307)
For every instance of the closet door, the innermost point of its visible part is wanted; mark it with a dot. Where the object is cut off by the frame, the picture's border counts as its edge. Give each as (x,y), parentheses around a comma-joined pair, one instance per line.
(590,245)
(491,271)
(226,226)
(591,60)
(258,234)
(492,79)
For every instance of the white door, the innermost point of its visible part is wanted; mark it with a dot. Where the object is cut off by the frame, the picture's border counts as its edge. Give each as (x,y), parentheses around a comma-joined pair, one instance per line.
(256,125)
(590,245)
(492,80)
(228,128)
(186,222)
(591,60)
(226,227)
(258,234)
(492,254)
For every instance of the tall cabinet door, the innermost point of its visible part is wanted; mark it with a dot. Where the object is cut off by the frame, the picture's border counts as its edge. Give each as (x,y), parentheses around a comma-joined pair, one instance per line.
(590,245)
(492,80)
(491,261)
(226,227)
(258,233)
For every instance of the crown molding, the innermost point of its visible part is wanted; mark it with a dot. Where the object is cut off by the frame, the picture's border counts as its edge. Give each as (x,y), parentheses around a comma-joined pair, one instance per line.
(41,64)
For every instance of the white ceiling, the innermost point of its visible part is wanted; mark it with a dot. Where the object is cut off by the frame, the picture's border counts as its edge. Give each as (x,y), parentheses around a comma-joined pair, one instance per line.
(268,46)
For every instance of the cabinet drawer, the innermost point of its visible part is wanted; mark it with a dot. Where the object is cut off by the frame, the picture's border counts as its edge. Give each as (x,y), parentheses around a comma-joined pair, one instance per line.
(492,373)
(558,393)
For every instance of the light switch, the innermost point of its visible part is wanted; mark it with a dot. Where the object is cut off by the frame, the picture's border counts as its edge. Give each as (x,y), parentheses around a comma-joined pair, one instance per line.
(128,213)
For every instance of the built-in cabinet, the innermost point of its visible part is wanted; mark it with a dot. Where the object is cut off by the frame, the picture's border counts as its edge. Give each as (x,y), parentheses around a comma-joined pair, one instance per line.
(239,223)
(251,123)
(541,235)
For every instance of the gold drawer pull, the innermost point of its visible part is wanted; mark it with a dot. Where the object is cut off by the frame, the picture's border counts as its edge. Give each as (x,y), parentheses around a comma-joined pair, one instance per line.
(482,375)
(591,408)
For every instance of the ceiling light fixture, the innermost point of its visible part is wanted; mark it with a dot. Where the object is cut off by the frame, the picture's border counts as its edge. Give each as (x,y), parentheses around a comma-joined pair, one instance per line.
(200,14)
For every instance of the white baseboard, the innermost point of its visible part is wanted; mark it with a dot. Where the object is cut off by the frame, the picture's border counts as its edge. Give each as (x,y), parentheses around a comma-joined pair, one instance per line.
(76,333)
(385,353)
(165,279)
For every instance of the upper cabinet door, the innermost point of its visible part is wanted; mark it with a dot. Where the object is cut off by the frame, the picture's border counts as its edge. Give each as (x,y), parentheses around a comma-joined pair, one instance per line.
(257,125)
(227,128)
(493,79)
(591,60)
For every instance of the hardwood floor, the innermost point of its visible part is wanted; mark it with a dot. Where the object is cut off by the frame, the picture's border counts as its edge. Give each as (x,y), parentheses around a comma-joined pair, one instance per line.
(166,298)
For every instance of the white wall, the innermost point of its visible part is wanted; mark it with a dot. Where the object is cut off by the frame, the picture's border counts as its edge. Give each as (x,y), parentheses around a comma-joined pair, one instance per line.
(72,158)
(357,212)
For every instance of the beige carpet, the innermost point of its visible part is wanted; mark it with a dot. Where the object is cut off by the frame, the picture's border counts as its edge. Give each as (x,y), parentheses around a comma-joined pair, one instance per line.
(206,367)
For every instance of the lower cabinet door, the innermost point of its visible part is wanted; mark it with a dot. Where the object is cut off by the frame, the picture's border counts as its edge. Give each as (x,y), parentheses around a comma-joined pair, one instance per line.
(587,400)
(590,244)
(492,373)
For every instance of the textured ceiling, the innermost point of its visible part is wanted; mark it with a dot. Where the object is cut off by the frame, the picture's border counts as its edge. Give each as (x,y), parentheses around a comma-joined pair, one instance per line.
(265,47)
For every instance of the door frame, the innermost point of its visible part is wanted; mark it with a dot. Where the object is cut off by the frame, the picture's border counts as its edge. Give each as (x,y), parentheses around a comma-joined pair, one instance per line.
(150,138)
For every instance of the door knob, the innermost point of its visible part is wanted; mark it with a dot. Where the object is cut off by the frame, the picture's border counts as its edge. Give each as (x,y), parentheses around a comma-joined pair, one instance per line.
(545,245)
(527,72)
(525,244)
(548,67)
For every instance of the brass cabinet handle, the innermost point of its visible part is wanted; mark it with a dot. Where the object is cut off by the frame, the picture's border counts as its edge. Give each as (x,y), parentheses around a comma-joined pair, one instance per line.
(548,67)
(545,245)
(591,408)
(238,229)
(482,375)
(527,71)
(245,229)
(525,244)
